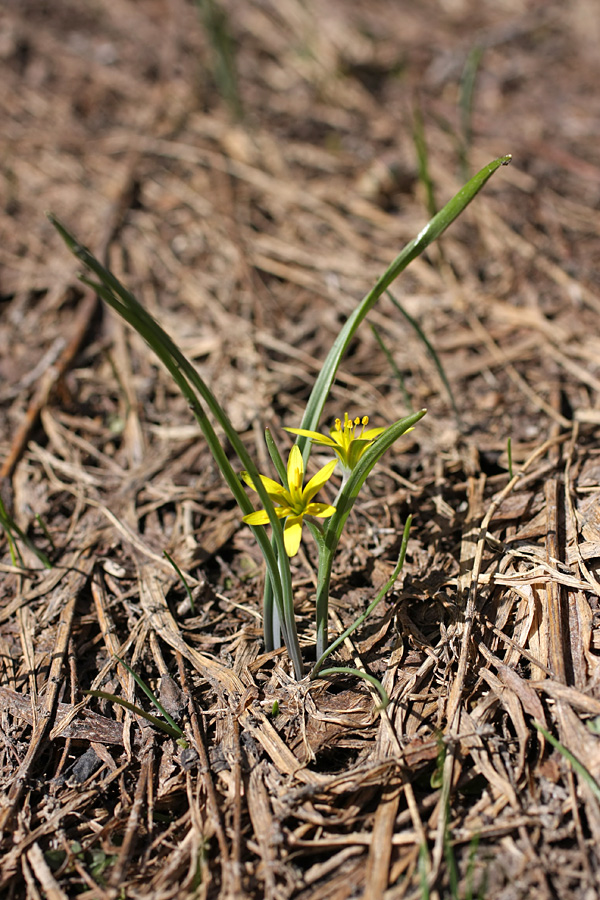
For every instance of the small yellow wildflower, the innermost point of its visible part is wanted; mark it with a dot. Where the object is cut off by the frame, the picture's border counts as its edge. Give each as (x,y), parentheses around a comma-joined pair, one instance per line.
(344,441)
(293,503)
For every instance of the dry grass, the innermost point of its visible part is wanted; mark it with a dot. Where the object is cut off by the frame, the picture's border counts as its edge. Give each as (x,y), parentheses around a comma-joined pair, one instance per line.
(250,243)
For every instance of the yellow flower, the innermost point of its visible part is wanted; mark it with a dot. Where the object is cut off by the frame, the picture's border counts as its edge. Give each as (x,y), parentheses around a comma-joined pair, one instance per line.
(293,503)
(345,443)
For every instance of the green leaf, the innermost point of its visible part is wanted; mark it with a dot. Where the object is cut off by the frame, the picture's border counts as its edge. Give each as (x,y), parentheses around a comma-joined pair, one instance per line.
(158,723)
(432,353)
(359,475)
(192,387)
(276,459)
(433,230)
(423,161)
(347,670)
(382,593)
(344,504)
(182,579)
(144,687)
(9,526)
(579,767)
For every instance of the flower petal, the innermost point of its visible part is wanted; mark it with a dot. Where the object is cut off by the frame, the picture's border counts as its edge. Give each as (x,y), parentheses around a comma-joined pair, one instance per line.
(357,448)
(322,510)
(315,436)
(292,535)
(295,473)
(339,438)
(317,481)
(260,517)
(273,487)
(371,434)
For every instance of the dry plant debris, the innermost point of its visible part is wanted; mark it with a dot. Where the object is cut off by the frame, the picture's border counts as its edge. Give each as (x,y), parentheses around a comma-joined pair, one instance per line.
(250,241)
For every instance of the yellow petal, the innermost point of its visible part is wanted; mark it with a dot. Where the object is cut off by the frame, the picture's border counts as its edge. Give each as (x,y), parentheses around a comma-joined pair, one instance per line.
(315,436)
(292,535)
(338,438)
(246,477)
(317,481)
(295,470)
(371,434)
(260,517)
(322,510)
(273,487)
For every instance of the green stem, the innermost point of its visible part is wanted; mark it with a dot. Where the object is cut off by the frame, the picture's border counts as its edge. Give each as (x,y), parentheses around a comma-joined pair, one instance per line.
(382,593)
(326,555)
(344,503)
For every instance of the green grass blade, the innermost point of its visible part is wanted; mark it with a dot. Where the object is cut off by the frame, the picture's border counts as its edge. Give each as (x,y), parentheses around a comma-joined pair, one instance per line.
(576,764)
(272,619)
(451,866)
(191,385)
(179,367)
(423,161)
(431,351)
(144,687)
(46,531)
(176,732)
(13,548)
(392,364)
(423,867)
(433,230)
(216,26)
(276,459)
(10,528)
(347,670)
(182,579)
(470,874)
(382,593)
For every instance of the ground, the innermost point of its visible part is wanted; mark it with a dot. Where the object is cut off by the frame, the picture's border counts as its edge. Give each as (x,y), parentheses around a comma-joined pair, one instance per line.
(249,170)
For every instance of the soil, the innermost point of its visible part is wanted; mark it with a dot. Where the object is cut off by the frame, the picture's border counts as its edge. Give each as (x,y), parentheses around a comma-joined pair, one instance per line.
(248,170)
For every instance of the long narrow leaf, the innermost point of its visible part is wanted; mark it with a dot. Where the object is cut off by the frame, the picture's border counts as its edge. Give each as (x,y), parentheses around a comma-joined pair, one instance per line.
(9,526)
(347,670)
(579,767)
(382,593)
(158,723)
(183,580)
(432,353)
(344,503)
(144,687)
(191,384)
(392,364)
(361,472)
(433,230)
(423,161)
